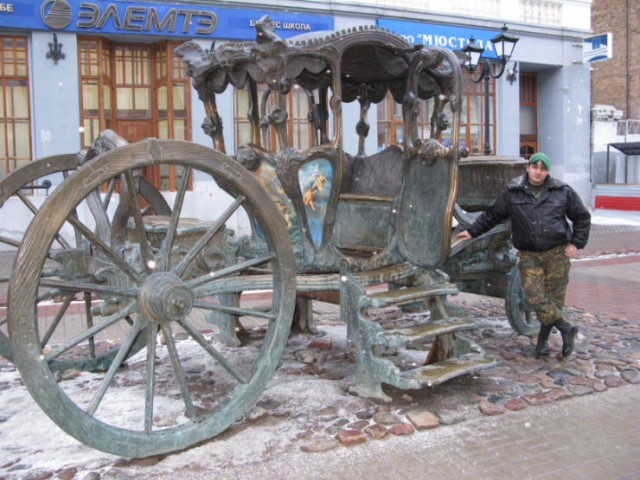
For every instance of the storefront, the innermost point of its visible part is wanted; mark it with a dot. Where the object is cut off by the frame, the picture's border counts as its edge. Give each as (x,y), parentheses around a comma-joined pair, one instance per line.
(73,70)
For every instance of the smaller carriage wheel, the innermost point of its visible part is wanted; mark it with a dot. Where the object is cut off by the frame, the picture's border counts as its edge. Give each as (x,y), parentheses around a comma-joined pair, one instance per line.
(184,387)
(53,170)
(521,316)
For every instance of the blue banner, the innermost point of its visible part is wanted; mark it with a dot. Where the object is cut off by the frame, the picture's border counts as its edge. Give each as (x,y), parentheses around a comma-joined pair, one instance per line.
(453,38)
(160,19)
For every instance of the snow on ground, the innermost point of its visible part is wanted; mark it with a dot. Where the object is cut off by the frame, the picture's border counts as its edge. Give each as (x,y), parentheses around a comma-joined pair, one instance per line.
(615,217)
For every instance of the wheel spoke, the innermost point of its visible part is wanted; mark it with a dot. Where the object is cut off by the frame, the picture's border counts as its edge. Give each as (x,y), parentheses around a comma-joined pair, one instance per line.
(106,249)
(164,255)
(89,316)
(178,370)
(151,380)
(75,286)
(115,365)
(34,210)
(202,242)
(233,310)
(109,194)
(137,217)
(48,295)
(232,270)
(9,241)
(198,337)
(107,322)
(56,321)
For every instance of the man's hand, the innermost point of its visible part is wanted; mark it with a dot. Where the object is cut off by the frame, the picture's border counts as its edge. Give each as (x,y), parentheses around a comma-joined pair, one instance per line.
(571,251)
(464,236)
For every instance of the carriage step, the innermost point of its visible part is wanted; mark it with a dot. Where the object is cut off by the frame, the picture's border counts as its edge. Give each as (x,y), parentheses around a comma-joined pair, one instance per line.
(437,373)
(401,337)
(409,295)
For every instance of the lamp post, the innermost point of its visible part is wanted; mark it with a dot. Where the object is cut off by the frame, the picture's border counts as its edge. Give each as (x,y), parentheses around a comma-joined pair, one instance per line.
(503,45)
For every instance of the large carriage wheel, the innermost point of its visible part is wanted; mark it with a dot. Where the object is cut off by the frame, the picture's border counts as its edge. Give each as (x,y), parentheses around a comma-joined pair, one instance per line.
(521,316)
(184,387)
(47,173)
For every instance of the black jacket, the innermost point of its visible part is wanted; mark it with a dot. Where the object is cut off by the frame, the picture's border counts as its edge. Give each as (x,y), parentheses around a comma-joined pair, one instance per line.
(538,224)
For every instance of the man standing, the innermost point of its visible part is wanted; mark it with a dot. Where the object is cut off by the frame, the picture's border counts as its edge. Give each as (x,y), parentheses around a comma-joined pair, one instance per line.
(540,208)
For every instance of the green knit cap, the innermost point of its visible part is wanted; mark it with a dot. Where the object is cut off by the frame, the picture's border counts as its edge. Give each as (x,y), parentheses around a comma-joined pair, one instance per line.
(540,158)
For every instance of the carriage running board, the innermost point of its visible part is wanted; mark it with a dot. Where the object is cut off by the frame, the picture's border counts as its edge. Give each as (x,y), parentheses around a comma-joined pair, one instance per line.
(409,295)
(450,354)
(404,337)
(431,375)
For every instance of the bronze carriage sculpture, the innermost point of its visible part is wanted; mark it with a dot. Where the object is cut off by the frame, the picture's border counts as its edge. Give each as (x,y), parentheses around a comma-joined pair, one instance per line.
(322,224)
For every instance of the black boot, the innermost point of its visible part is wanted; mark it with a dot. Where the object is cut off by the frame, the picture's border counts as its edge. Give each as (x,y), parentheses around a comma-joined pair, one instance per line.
(542,349)
(568,333)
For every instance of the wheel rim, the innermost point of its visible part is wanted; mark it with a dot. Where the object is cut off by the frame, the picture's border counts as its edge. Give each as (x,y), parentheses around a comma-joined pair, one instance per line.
(521,316)
(155,424)
(10,186)
(57,168)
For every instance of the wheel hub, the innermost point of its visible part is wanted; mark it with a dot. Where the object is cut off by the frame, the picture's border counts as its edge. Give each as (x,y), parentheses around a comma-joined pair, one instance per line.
(165,298)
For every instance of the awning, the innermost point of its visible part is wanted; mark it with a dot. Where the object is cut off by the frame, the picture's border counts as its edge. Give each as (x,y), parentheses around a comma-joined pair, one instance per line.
(628,148)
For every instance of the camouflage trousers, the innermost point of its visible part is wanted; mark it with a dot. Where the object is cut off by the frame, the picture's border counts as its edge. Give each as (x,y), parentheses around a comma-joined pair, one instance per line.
(545,276)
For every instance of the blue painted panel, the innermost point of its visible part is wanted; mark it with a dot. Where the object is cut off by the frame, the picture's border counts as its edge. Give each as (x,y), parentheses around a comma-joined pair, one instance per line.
(445,36)
(162,19)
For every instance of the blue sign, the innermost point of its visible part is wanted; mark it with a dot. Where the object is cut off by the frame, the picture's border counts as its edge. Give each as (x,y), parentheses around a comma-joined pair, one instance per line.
(453,38)
(597,48)
(161,19)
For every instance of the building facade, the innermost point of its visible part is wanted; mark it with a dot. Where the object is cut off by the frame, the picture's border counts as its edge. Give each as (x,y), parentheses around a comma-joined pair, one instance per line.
(70,70)
(615,95)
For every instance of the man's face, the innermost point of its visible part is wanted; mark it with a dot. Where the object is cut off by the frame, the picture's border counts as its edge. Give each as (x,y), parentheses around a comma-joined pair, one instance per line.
(538,173)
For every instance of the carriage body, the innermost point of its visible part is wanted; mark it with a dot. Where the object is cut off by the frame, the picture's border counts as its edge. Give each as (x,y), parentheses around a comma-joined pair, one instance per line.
(365,230)
(375,209)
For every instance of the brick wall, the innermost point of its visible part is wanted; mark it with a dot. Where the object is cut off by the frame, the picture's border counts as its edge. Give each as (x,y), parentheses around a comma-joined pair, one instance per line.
(617,81)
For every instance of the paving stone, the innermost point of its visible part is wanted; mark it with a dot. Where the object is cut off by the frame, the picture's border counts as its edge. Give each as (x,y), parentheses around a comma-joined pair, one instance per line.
(359,425)
(450,417)
(630,376)
(613,381)
(351,437)
(515,404)
(489,408)
(321,444)
(538,398)
(559,394)
(401,429)
(321,343)
(386,418)
(423,420)
(376,431)
(580,390)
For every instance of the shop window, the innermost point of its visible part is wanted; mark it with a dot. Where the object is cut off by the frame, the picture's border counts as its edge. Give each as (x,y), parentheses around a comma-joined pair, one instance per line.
(391,125)
(15,116)
(299,131)
(472,118)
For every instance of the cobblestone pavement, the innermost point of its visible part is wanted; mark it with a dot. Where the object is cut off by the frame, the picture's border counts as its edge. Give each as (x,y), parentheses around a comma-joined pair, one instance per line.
(525,418)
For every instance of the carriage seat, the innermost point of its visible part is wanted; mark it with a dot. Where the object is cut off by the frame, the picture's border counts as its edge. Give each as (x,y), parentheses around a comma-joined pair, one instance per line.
(365,207)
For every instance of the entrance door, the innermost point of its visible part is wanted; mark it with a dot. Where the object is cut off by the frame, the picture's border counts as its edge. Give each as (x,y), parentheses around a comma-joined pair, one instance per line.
(528,114)
(133,88)
(133,85)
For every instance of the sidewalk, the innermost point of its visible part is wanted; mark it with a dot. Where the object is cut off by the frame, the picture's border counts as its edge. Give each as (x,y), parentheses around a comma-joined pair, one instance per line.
(606,277)
(548,419)
(590,438)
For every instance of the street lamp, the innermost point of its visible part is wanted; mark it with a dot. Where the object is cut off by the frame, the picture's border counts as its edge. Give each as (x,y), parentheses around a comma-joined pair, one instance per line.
(503,45)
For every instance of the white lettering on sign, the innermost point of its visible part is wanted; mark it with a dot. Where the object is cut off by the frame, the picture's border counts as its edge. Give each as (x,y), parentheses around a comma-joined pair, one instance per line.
(304,27)
(6,7)
(138,19)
